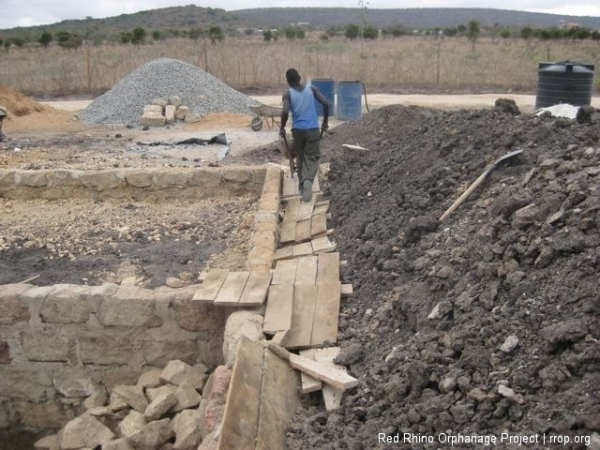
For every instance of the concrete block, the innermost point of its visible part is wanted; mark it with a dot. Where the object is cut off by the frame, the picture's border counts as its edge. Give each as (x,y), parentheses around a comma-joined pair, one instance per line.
(139,178)
(104,180)
(130,306)
(32,178)
(182,112)
(199,316)
(165,179)
(170,113)
(66,304)
(46,346)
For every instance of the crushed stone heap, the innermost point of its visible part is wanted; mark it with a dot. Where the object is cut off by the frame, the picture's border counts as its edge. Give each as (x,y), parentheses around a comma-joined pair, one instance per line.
(162,78)
(486,323)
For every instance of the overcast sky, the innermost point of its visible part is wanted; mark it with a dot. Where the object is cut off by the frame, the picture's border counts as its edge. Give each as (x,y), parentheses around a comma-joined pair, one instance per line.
(15,13)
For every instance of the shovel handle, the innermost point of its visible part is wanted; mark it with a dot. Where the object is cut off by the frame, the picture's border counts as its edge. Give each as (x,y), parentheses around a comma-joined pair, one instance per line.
(290,157)
(460,200)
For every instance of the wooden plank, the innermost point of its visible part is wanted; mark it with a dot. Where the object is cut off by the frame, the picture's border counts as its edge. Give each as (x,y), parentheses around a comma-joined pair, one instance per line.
(306,271)
(309,384)
(329,268)
(302,249)
(211,285)
(240,420)
(320,371)
(291,210)
(290,186)
(318,224)
(303,316)
(255,292)
(306,209)
(280,337)
(288,232)
(322,245)
(321,209)
(232,289)
(303,231)
(285,272)
(279,400)
(316,185)
(280,302)
(354,147)
(327,311)
(284,252)
(331,396)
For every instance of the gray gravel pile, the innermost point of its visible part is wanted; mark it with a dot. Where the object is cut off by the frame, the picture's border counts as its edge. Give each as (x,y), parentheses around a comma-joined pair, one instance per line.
(162,78)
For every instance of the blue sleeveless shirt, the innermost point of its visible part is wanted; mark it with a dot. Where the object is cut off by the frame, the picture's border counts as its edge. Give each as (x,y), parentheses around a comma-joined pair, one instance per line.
(304,110)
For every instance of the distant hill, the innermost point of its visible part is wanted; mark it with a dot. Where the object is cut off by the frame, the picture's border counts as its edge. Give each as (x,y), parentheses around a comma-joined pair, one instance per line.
(410,17)
(193,16)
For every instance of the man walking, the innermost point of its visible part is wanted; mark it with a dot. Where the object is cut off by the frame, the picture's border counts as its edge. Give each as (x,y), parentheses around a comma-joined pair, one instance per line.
(300,100)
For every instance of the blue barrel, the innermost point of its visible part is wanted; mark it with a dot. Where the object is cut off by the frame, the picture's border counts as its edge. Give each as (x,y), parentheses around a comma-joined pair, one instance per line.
(349,100)
(326,86)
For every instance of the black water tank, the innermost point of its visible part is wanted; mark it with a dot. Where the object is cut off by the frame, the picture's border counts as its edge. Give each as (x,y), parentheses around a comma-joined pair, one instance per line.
(564,82)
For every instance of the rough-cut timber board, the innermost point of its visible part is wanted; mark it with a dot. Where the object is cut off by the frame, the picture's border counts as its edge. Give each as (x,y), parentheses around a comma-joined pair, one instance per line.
(211,285)
(290,185)
(309,384)
(321,371)
(318,224)
(303,229)
(280,303)
(329,268)
(240,420)
(306,209)
(284,253)
(278,403)
(232,289)
(322,245)
(291,210)
(306,271)
(327,311)
(331,395)
(285,272)
(288,232)
(302,249)
(255,292)
(303,316)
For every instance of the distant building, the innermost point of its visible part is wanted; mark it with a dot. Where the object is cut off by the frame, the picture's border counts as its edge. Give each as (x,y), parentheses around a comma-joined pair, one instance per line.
(568,25)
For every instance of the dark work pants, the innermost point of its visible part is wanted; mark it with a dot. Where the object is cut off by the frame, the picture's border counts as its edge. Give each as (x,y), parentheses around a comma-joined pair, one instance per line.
(306,145)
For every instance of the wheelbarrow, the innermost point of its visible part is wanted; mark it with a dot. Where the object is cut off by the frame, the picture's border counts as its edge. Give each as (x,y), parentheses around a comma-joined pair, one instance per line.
(265,113)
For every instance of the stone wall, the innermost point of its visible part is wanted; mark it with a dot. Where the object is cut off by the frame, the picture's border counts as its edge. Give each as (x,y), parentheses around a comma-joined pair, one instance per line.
(59,344)
(134,184)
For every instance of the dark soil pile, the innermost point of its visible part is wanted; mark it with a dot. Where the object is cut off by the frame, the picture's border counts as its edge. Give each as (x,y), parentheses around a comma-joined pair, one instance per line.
(481,325)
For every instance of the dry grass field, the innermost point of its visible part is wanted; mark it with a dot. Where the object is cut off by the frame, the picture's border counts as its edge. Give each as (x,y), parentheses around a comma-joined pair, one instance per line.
(401,65)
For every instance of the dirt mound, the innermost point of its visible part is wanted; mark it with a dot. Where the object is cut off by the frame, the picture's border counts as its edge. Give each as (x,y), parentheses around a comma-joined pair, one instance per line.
(484,324)
(18,104)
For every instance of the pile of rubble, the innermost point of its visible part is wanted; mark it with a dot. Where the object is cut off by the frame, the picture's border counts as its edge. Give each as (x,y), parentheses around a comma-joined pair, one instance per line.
(486,323)
(166,409)
(200,91)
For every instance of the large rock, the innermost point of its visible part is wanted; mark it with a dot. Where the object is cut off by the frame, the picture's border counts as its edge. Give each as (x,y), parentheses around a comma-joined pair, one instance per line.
(118,444)
(47,443)
(187,397)
(84,431)
(240,324)
(152,116)
(170,113)
(154,393)
(47,346)
(175,372)
(216,392)
(186,426)
(152,436)
(199,316)
(73,384)
(133,396)
(132,423)
(164,401)
(150,379)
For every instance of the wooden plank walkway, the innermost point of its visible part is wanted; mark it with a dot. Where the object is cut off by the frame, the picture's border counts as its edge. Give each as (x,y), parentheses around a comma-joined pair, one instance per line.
(313,311)
(291,189)
(303,221)
(228,288)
